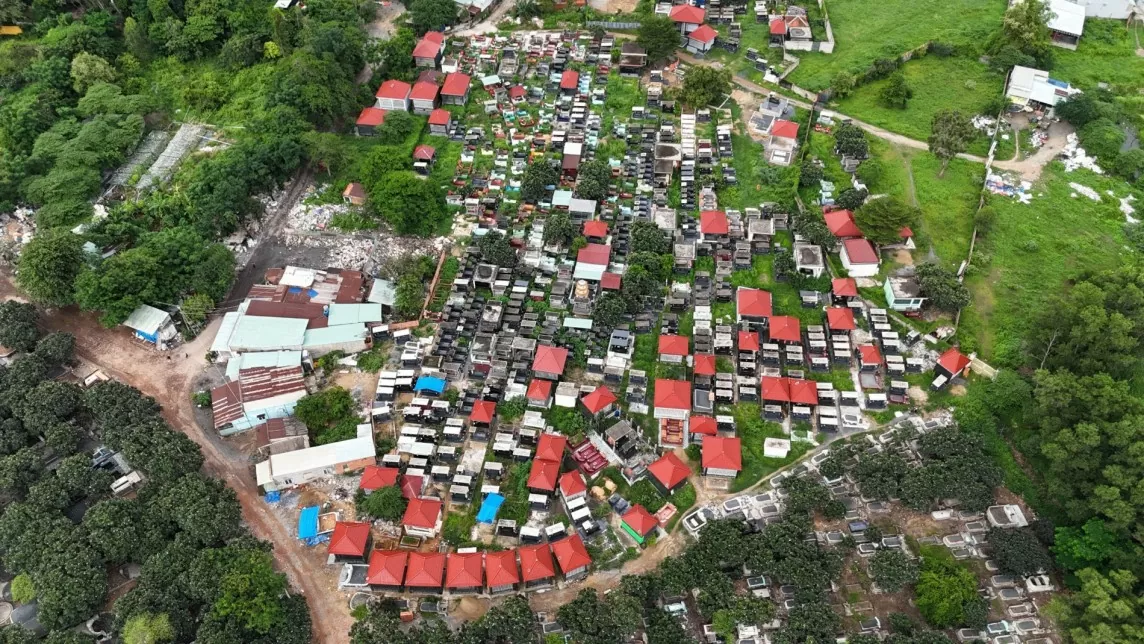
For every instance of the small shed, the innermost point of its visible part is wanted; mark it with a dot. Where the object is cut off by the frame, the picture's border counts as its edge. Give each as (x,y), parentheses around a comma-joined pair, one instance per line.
(152,325)
(354,194)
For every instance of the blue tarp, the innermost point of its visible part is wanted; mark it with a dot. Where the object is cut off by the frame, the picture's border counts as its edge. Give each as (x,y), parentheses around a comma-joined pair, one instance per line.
(294,289)
(273,497)
(429,383)
(308,523)
(489,508)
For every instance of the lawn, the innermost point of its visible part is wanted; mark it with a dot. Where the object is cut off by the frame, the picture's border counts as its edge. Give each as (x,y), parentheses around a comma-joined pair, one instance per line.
(958,83)
(1035,249)
(1106,54)
(865,31)
(752,431)
(947,204)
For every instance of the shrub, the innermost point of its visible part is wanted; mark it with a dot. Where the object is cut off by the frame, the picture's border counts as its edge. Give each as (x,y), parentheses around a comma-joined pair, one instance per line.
(22,589)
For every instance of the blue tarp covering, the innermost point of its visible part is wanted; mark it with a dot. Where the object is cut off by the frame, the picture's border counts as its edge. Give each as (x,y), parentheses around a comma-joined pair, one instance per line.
(273,497)
(308,523)
(429,383)
(489,508)
(294,289)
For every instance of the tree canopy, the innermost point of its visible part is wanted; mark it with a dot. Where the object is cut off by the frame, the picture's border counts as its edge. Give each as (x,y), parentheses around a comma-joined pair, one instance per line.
(704,86)
(882,220)
(658,36)
(950,135)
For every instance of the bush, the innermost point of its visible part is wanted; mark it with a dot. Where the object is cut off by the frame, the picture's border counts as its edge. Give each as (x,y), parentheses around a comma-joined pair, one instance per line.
(984,219)
(201,398)
(942,49)
(371,361)
(385,503)
(22,589)
(870,172)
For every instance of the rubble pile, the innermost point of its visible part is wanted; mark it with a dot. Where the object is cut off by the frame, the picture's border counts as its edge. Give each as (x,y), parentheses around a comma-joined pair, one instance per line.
(1083,190)
(303,216)
(1009,186)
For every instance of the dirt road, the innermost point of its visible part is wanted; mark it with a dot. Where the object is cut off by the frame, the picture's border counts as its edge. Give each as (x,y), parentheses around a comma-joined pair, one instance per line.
(169,378)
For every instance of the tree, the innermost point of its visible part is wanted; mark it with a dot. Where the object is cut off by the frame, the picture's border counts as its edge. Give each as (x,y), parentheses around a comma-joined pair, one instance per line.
(71,583)
(592,621)
(1025,28)
(646,237)
(251,593)
(396,128)
(659,37)
(148,629)
(384,503)
(1018,552)
(663,629)
(897,92)
(1106,610)
(941,287)
(810,174)
(704,86)
(328,150)
(410,204)
(943,590)
(506,623)
(882,220)
(496,249)
(593,179)
(850,141)
(609,311)
(559,229)
(111,528)
(383,159)
(49,265)
(950,135)
(814,230)
(23,590)
(429,15)
(1087,546)
(869,171)
(537,177)
(1102,138)
(89,69)
(851,198)
(892,570)
(18,325)
(325,408)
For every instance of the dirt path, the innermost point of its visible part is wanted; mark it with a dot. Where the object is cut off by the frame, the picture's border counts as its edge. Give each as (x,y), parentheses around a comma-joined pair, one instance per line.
(489,24)
(1030,167)
(170,379)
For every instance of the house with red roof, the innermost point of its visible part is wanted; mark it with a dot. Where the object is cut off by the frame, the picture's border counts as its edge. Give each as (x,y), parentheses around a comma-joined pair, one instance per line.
(387,570)
(428,51)
(840,318)
(668,474)
(841,223)
(700,426)
(440,120)
(375,477)
(539,393)
(785,329)
(423,158)
(713,225)
(536,566)
(610,281)
(572,486)
(752,305)
(596,230)
(869,358)
(394,95)
(425,572)
(778,31)
(701,39)
(354,194)
(672,408)
(551,447)
(599,402)
(424,97)
(705,364)
(465,572)
(517,94)
(592,262)
(774,389)
(349,542)
(802,392)
(484,413)
(543,476)
(569,81)
(548,363)
(843,289)
(687,17)
(782,142)
(501,572)
(368,121)
(952,364)
(412,486)
(722,458)
(455,91)
(422,517)
(673,348)
(572,557)
(859,257)
(639,523)
(748,342)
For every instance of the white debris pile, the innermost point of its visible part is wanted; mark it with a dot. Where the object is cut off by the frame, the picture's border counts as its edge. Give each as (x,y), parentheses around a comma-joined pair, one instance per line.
(986,124)
(305,216)
(351,253)
(1038,137)
(1074,156)
(1083,190)
(1127,209)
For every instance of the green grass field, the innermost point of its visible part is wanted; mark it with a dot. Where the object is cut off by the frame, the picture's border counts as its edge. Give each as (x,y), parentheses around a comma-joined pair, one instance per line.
(938,83)
(1107,53)
(1035,249)
(864,31)
(947,204)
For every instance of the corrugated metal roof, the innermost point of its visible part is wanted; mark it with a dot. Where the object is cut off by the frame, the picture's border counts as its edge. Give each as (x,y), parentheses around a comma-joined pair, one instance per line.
(267,334)
(334,335)
(343,314)
(225,331)
(147,319)
(383,292)
(262,359)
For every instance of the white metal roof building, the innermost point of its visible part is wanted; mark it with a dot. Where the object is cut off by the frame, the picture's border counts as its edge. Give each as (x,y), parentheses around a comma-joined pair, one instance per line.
(295,468)
(1028,85)
(151,324)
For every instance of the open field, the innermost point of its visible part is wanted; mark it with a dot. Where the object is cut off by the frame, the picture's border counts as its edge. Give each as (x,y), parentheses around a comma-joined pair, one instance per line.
(947,204)
(1036,249)
(1107,54)
(864,32)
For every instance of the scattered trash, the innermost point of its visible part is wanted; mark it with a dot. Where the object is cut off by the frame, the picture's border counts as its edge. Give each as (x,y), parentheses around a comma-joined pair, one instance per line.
(1009,186)
(1075,157)
(1127,209)
(1084,190)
